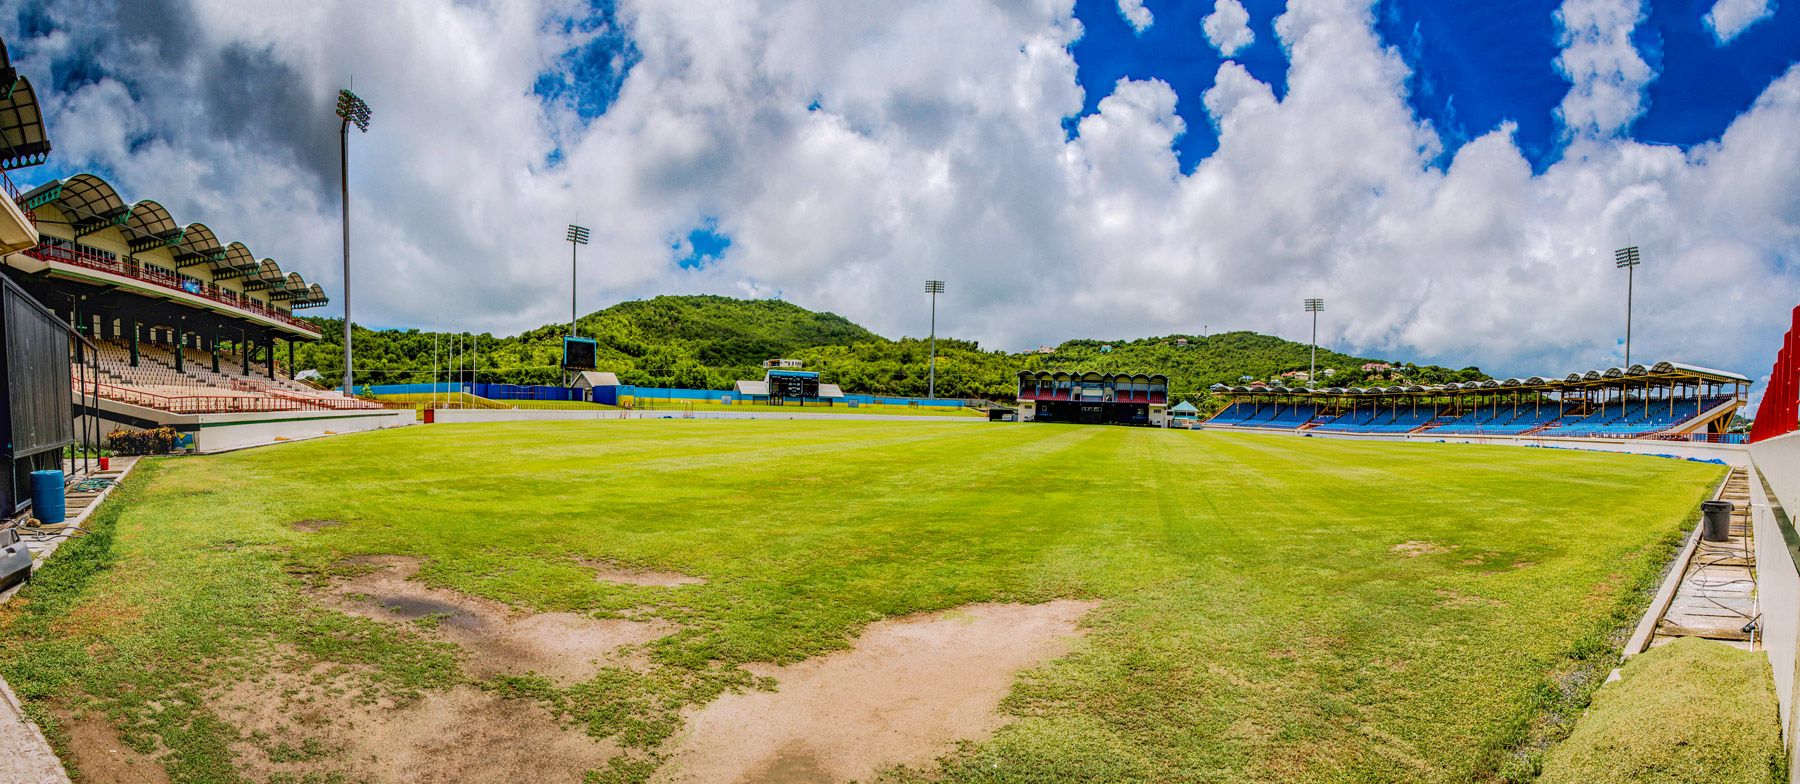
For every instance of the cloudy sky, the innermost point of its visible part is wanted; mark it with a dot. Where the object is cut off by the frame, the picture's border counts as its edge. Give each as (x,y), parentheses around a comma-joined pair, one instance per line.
(1452,177)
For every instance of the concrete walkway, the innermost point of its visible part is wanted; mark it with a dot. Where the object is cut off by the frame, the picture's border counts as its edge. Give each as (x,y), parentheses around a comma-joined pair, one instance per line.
(25,755)
(1717,595)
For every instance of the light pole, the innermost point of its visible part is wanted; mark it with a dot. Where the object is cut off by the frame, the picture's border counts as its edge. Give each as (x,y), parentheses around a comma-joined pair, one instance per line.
(578,235)
(1313,306)
(352,110)
(934,288)
(1627,259)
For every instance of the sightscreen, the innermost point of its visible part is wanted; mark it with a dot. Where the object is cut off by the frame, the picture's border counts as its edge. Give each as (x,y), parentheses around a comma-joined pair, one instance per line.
(580,353)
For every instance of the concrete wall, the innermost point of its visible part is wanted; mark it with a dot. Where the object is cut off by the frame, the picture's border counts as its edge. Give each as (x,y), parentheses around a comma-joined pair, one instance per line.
(1777,462)
(1731,454)
(224,432)
(1778,594)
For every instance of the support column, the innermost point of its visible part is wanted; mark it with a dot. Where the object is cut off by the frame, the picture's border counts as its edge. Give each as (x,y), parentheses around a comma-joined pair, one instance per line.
(244,350)
(212,345)
(290,359)
(136,330)
(269,352)
(180,348)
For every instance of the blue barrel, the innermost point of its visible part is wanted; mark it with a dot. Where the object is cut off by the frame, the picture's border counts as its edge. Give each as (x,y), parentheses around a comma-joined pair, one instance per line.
(47,496)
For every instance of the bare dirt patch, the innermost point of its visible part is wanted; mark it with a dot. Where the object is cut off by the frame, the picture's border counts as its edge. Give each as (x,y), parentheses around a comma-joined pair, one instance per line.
(565,647)
(306,723)
(908,690)
(99,755)
(608,572)
(1415,548)
(1456,600)
(314,526)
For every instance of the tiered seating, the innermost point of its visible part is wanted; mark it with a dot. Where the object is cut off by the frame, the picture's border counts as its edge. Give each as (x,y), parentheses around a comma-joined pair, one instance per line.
(1487,421)
(1405,421)
(1269,415)
(1635,418)
(155,383)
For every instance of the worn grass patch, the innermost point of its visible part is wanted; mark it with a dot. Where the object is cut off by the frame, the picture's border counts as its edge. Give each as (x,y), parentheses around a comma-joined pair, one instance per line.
(1690,711)
(1255,621)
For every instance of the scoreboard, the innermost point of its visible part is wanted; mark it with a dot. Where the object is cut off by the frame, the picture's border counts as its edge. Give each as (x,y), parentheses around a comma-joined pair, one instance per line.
(785,386)
(580,353)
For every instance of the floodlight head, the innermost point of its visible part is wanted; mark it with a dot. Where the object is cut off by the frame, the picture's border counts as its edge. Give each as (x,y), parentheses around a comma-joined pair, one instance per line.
(578,234)
(354,110)
(1315,305)
(1626,257)
(934,287)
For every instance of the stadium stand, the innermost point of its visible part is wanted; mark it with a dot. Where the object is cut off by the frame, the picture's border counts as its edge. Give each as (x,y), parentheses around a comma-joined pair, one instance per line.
(183,323)
(1093,398)
(1659,400)
(170,325)
(161,382)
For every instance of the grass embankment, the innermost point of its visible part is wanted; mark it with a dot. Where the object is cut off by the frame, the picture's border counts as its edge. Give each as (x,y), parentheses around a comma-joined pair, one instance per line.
(1273,608)
(1690,712)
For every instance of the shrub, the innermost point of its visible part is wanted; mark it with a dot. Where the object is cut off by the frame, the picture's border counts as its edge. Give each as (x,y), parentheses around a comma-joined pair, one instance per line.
(155,441)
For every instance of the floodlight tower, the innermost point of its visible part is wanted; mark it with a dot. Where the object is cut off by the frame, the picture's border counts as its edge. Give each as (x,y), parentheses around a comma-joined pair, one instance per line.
(578,236)
(352,110)
(1626,258)
(1313,306)
(934,288)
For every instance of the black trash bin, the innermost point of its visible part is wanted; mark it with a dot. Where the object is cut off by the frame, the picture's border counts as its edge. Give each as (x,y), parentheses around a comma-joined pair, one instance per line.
(1718,520)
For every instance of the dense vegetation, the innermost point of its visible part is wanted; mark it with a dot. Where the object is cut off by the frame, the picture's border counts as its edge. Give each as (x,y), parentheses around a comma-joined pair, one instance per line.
(709,342)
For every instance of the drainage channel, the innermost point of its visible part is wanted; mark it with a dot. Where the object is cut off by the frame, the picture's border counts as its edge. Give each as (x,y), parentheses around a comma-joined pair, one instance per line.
(1716,598)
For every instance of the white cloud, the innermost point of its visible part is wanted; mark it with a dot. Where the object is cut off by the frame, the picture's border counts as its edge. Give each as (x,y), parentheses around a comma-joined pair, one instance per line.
(1136,14)
(1606,71)
(1228,27)
(937,151)
(1728,18)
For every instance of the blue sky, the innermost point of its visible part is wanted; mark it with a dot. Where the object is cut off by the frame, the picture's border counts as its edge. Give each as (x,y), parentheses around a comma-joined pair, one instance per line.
(838,153)
(1475,64)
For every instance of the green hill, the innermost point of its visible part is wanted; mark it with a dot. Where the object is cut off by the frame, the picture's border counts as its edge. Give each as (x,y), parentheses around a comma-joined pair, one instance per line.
(711,341)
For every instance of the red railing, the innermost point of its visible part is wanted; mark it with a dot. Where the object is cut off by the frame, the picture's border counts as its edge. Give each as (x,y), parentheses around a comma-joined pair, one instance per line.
(165,280)
(326,401)
(1779,411)
(197,404)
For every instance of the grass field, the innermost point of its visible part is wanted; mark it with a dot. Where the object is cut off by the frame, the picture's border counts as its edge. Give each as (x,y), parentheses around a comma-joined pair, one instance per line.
(1270,608)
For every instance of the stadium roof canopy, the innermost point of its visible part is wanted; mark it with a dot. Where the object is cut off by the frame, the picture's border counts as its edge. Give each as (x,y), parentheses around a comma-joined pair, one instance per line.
(92,205)
(23,140)
(1089,375)
(1664,372)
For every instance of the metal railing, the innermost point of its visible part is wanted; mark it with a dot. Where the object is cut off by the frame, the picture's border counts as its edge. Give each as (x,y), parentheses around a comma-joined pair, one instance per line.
(203,404)
(12,191)
(331,401)
(165,280)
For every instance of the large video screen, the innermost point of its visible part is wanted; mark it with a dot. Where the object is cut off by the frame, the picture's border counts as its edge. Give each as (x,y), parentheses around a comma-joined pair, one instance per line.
(580,353)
